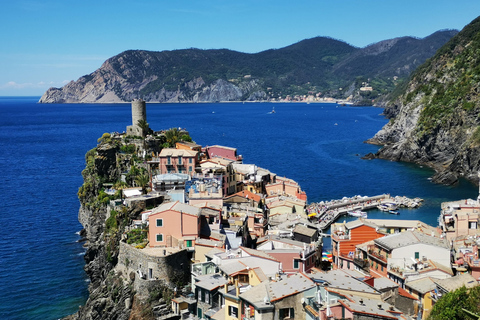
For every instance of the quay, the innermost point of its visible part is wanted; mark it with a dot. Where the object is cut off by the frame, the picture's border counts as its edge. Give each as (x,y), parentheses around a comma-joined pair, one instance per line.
(328,212)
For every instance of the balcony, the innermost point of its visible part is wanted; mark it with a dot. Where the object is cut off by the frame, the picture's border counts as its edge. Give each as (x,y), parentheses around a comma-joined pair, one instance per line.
(377,256)
(362,263)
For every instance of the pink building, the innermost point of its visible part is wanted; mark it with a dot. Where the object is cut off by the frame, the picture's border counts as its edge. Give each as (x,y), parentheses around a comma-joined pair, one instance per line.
(295,256)
(174,224)
(222,152)
(286,186)
(177,161)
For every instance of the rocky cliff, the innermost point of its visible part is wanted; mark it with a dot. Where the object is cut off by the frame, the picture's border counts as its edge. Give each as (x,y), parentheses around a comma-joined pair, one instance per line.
(434,120)
(319,65)
(116,291)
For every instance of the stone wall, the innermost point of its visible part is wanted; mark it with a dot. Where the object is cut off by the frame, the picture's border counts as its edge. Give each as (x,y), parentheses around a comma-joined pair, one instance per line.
(173,268)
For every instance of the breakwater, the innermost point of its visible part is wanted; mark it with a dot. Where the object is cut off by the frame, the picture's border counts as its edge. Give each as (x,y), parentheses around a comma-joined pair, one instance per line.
(327,212)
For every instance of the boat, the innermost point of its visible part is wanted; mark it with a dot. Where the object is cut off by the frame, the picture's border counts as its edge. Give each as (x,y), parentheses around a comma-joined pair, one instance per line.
(393,211)
(273,110)
(357,213)
(387,206)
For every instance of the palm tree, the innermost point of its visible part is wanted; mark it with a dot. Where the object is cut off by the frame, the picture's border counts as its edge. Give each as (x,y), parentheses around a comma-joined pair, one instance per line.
(172,136)
(143,124)
(142,181)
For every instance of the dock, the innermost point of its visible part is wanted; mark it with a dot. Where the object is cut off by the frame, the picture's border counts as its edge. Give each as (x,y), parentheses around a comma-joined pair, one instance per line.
(328,212)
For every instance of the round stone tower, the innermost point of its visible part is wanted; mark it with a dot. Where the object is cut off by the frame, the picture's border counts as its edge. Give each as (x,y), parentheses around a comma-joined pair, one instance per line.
(139,112)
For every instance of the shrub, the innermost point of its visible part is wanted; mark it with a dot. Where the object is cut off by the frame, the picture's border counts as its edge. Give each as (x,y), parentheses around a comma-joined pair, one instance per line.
(111,224)
(136,236)
(128,148)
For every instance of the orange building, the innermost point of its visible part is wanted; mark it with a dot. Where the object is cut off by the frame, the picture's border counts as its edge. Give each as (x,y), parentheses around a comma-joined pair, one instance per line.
(346,236)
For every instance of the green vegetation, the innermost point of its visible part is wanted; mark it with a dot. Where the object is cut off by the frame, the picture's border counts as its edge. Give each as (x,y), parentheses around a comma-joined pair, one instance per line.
(174,135)
(313,65)
(142,180)
(144,126)
(105,138)
(111,224)
(453,75)
(450,305)
(137,236)
(128,148)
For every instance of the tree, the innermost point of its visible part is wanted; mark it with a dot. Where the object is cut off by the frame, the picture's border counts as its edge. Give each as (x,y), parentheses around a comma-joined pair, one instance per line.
(172,136)
(142,181)
(143,124)
(450,305)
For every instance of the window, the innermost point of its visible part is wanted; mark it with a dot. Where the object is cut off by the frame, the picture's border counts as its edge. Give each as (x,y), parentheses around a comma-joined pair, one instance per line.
(472,225)
(382,267)
(348,264)
(159,222)
(417,255)
(168,160)
(189,169)
(286,313)
(180,160)
(296,263)
(189,243)
(190,160)
(233,311)
(159,237)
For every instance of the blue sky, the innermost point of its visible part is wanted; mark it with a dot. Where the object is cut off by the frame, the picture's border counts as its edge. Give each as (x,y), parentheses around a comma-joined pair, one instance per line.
(47,43)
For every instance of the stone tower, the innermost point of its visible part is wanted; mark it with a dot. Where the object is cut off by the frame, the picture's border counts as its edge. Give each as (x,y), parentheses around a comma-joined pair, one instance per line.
(139,112)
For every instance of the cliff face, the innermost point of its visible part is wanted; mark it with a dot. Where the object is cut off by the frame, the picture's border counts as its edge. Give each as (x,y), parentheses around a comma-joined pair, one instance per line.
(435,119)
(116,291)
(192,75)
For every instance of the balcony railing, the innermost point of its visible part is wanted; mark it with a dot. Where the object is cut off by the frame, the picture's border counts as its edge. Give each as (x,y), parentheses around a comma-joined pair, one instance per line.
(362,263)
(377,255)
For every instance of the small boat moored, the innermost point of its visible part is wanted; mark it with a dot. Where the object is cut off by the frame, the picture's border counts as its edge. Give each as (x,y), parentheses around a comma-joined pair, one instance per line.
(357,213)
(389,206)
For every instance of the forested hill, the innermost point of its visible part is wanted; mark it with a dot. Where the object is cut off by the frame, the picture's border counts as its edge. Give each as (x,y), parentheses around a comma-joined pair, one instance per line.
(318,67)
(436,116)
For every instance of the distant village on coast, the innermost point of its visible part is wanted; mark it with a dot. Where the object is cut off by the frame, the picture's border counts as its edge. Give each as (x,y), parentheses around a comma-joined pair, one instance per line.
(254,245)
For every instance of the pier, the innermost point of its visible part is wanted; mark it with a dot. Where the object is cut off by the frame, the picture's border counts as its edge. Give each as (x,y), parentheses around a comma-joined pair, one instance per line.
(328,212)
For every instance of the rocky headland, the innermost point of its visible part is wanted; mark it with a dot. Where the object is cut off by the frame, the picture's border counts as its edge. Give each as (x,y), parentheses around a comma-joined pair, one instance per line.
(313,68)
(116,291)
(434,118)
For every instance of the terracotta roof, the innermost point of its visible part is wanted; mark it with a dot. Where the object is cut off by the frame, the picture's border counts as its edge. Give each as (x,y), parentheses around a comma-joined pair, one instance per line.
(404,293)
(246,194)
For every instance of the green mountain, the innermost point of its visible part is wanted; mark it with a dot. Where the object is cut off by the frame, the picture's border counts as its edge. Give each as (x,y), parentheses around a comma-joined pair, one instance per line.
(435,117)
(319,66)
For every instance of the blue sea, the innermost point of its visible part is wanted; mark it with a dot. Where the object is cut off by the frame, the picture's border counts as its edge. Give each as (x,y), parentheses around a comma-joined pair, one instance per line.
(42,156)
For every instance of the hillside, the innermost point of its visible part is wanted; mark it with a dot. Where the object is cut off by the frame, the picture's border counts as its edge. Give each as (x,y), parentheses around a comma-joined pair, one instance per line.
(435,117)
(314,66)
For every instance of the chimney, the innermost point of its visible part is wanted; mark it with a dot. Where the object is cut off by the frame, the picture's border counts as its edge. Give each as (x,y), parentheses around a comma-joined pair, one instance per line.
(237,289)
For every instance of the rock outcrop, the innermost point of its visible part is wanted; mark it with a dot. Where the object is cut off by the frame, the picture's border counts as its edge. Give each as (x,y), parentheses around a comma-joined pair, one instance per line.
(114,286)
(435,120)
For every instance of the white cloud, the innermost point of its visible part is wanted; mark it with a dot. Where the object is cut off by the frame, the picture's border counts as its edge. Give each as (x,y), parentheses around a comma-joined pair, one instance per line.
(14,86)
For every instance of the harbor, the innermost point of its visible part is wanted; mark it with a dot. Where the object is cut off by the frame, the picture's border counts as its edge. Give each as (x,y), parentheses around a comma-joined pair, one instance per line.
(326,213)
